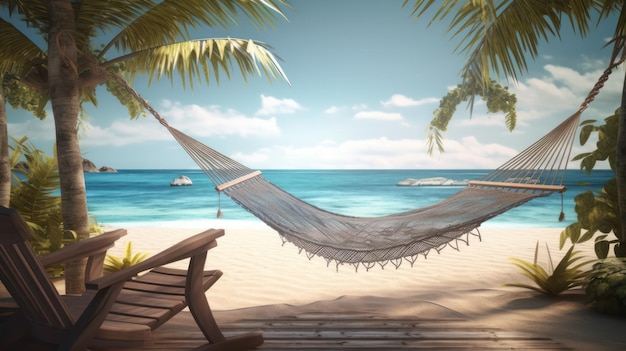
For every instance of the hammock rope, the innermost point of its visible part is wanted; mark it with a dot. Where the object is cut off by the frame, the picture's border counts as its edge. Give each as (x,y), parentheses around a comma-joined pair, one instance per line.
(535,172)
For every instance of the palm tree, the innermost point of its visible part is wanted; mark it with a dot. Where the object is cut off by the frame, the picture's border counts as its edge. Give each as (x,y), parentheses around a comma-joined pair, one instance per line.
(150,37)
(498,36)
(19,51)
(17,95)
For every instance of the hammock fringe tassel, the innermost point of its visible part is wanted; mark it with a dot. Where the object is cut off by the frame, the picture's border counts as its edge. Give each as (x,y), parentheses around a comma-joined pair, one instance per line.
(395,262)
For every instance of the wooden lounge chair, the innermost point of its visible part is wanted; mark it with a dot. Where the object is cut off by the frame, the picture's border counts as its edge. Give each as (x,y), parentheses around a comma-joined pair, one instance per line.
(118,310)
(94,249)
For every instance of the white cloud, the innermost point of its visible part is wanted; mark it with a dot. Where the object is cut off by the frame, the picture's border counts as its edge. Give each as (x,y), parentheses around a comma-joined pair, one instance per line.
(34,129)
(124,132)
(191,119)
(274,106)
(572,79)
(381,153)
(544,97)
(215,121)
(378,115)
(332,110)
(560,93)
(260,156)
(399,100)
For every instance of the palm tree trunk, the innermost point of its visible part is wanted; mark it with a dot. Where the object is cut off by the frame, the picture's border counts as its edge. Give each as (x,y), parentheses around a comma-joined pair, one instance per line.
(620,171)
(65,99)
(5,167)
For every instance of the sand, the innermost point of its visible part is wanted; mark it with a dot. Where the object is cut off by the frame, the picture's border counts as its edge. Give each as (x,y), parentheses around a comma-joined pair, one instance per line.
(263,277)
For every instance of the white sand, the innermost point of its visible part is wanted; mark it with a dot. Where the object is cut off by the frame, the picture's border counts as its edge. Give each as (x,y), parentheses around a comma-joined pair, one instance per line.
(264,278)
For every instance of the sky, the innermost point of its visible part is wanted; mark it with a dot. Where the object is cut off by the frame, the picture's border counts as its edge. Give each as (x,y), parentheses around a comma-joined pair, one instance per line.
(364,80)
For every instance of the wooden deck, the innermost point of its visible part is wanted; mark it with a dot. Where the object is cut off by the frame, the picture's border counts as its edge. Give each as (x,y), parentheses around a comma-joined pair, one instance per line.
(358,331)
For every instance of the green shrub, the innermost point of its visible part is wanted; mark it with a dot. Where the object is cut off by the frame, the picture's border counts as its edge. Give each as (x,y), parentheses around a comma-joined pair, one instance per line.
(35,195)
(598,212)
(606,286)
(566,275)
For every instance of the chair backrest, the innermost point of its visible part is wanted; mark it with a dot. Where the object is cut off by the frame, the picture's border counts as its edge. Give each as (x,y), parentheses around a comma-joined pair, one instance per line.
(25,278)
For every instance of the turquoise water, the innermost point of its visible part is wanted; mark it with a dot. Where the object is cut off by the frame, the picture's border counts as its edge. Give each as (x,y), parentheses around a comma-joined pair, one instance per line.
(143,197)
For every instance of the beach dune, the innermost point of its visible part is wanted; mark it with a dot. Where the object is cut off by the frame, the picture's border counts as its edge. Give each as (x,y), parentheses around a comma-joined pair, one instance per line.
(264,278)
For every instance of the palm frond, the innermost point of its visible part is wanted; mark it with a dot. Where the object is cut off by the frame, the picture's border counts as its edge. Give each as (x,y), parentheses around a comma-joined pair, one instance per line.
(433,138)
(103,17)
(502,40)
(17,50)
(498,36)
(171,19)
(205,58)
(33,12)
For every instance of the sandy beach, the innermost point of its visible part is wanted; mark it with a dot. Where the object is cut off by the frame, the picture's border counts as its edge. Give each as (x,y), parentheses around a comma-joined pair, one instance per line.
(264,278)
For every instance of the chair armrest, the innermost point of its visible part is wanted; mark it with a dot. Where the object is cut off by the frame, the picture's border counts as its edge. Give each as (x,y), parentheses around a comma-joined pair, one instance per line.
(195,245)
(94,248)
(84,248)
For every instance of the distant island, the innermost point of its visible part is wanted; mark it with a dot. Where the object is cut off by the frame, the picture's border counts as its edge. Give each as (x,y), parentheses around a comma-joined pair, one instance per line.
(90,167)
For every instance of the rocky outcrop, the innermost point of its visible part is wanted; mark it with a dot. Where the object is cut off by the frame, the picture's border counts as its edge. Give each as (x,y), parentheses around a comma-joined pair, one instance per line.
(90,167)
(107,169)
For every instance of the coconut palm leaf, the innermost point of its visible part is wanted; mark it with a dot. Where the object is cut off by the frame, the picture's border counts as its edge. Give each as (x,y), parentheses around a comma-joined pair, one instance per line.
(497,36)
(204,58)
(171,19)
(22,49)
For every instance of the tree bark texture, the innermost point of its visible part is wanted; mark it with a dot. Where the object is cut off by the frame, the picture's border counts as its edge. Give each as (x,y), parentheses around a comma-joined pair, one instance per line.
(620,169)
(5,167)
(63,79)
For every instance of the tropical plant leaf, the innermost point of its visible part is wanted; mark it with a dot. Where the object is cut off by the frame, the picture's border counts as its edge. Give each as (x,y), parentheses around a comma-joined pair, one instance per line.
(113,263)
(497,97)
(567,274)
(602,249)
(585,132)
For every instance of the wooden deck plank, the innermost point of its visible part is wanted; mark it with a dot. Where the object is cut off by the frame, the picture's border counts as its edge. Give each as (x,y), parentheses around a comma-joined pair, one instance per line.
(361,331)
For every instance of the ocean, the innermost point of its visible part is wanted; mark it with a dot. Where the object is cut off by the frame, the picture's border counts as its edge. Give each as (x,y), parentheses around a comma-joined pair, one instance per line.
(145,198)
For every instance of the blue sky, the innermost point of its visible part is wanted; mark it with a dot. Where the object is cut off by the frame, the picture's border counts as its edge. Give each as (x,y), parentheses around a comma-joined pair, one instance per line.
(365,79)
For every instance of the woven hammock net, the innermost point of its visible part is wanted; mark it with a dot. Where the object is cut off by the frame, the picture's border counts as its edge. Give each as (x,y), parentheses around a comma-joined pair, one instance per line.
(393,238)
(366,241)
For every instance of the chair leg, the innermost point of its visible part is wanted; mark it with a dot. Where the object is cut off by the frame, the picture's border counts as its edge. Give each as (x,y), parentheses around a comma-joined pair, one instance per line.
(201,312)
(197,301)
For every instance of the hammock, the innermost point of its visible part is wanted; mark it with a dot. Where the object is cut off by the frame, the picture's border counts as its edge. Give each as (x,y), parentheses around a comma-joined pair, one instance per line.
(368,241)
(536,172)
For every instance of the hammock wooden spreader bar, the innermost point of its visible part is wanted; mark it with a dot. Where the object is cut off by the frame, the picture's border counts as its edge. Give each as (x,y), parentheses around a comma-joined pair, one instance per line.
(523,186)
(365,241)
(227,185)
